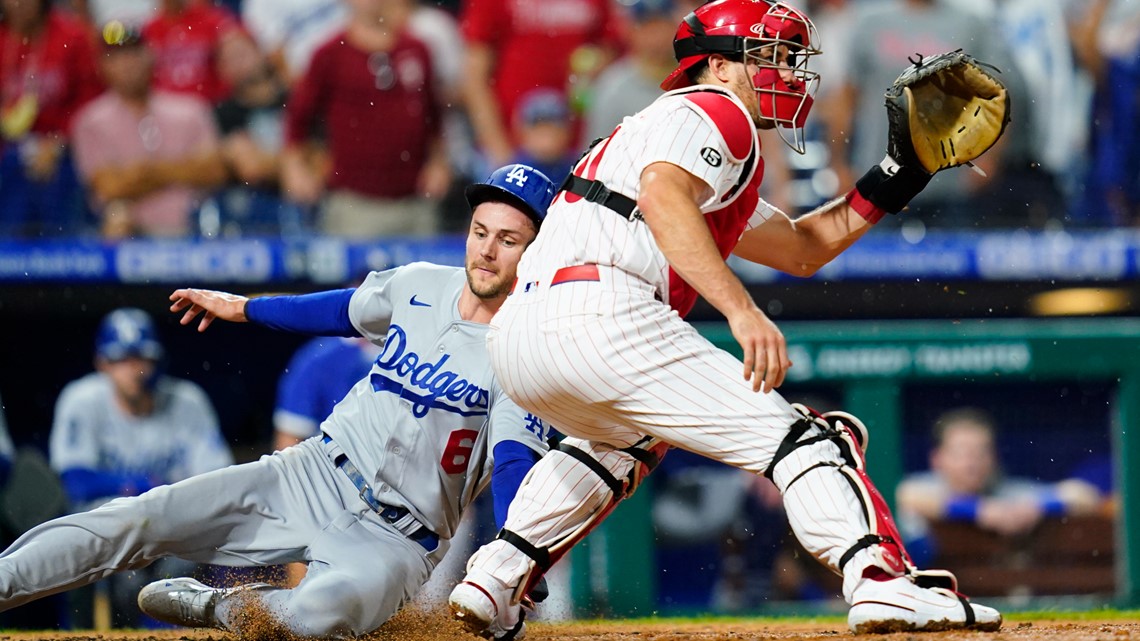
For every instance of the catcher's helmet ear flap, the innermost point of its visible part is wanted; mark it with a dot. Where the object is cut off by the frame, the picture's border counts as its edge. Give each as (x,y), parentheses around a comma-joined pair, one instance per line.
(520,186)
(127,332)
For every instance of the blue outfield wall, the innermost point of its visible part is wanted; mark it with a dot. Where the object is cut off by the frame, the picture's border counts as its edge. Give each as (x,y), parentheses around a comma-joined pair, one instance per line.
(1108,255)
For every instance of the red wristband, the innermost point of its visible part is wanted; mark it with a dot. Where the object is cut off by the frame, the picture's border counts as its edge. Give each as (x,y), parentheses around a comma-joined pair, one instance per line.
(864,207)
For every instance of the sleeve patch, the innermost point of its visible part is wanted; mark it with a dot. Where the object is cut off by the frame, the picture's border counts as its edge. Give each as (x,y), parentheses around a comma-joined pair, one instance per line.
(729,119)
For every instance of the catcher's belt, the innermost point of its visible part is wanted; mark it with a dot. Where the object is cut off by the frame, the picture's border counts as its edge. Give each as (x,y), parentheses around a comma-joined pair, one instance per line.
(571,274)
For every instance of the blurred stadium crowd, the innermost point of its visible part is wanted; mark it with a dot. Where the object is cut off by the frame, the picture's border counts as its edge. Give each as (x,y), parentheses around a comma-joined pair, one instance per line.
(362,118)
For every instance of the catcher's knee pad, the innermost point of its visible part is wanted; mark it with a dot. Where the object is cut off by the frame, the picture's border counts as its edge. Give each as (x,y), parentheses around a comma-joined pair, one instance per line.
(818,432)
(836,441)
(621,475)
(851,430)
(845,430)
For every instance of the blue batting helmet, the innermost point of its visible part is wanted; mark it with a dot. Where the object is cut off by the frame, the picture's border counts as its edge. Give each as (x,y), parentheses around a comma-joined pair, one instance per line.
(127,332)
(517,185)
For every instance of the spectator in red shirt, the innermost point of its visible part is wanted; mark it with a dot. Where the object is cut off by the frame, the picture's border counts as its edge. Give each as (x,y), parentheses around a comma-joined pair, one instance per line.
(516,46)
(371,87)
(185,37)
(47,71)
(146,155)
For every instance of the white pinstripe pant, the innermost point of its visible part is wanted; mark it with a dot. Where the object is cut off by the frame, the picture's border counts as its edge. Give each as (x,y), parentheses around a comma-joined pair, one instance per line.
(607,363)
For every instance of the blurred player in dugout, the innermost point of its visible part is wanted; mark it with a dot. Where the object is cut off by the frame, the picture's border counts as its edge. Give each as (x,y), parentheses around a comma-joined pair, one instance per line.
(128,427)
(966,484)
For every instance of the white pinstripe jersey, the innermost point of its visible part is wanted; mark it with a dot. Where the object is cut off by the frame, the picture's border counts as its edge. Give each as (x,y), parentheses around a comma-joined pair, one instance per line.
(422,425)
(706,131)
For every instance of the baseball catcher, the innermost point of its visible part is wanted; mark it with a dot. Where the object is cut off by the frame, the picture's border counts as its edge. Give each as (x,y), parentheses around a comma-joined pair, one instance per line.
(594,339)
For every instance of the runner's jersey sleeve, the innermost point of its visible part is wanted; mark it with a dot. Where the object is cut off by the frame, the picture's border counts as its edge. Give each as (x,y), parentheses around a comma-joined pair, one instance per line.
(509,422)
(370,308)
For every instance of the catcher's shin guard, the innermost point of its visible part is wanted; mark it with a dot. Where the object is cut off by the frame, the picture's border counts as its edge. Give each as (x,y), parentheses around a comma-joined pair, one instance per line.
(620,475)
(810,446)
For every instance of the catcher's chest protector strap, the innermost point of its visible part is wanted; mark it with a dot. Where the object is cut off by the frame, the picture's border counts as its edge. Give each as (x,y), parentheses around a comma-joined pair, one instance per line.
(595,191)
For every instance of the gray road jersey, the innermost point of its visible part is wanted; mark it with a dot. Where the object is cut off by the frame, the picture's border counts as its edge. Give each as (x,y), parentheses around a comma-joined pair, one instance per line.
(423,424)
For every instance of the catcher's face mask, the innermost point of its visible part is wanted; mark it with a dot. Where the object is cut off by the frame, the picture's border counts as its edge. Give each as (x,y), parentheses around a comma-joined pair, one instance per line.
(784,85)
(772,36)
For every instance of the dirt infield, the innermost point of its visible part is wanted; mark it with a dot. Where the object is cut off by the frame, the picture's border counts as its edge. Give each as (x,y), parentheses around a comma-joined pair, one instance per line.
(418,626)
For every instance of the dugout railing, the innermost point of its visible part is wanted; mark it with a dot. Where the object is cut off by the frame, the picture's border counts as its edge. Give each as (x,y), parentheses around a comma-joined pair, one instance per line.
(871,363)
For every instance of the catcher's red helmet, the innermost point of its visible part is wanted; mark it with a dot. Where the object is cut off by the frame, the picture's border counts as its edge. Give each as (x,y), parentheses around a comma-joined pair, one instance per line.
(754,31)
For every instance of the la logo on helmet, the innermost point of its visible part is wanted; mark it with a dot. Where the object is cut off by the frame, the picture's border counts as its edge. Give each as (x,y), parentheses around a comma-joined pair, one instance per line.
(517,176)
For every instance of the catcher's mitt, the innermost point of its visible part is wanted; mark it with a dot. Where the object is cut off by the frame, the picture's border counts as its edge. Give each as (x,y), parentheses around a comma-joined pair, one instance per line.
(944,111)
